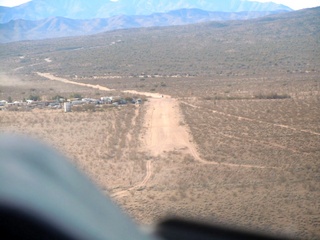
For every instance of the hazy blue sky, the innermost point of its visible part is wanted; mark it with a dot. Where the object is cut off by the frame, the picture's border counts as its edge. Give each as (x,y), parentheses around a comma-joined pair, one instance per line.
(294,4)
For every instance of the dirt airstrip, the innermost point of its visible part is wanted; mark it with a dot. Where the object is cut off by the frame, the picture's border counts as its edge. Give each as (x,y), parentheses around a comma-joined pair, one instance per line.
(165,130)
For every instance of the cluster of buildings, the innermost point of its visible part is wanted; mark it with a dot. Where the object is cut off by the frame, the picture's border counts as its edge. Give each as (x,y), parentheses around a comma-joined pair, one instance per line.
(65,104)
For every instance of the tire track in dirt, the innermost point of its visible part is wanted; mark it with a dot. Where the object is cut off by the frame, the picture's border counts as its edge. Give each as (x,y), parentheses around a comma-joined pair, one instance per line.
(133,124)
(144,182)
(165,133)
(255,120)
(138,186)
(196,156)
(264,143)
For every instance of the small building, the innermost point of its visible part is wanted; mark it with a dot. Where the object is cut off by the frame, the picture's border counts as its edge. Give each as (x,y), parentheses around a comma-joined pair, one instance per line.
(139,101)
(108,100)
(67,107)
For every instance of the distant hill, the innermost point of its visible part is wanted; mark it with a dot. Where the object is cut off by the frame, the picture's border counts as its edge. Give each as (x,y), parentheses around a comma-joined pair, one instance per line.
(84,9)
(17,30)
(284,43)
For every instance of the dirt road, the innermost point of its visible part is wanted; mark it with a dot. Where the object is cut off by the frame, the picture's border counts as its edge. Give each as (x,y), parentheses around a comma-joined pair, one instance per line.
(165,130)
(64,80)
(59,79)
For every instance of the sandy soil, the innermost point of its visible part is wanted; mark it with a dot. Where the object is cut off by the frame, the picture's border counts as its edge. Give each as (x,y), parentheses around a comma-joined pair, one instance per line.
(167,169)
(165,128)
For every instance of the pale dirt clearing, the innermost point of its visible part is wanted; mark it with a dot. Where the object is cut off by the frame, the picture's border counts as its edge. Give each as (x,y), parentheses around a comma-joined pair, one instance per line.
(164,129)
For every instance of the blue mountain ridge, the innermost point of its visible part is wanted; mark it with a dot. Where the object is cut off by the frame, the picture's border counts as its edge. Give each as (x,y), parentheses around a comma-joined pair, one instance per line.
(53,27)
(84,9)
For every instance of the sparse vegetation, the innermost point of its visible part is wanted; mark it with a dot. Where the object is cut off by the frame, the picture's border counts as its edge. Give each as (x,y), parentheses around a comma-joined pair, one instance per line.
(272,96)
(76,95)
(237,99)
(34,97)
(245,130)
(57,97)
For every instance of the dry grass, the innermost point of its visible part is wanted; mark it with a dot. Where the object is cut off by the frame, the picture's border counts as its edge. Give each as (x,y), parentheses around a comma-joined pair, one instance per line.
(229,126)
(279,134)
(218,75)
(282,135)
(100,143)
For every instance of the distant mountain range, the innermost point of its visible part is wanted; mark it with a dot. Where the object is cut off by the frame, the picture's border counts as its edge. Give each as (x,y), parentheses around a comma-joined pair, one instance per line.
(40,19)
(84,9)
(17,30)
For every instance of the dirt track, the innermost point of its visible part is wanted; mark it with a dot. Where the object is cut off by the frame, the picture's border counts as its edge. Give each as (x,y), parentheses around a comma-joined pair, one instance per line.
(54,78)
(258,121)
(139,186)
(165,131)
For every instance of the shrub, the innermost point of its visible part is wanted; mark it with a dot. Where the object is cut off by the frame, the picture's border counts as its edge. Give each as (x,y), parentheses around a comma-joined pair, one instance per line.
(76,95)
(58,97)
(272,96)
(129,99)
(34,97)
(89,108)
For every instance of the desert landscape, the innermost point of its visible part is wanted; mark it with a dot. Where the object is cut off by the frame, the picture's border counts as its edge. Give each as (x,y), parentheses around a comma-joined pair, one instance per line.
(212,141)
